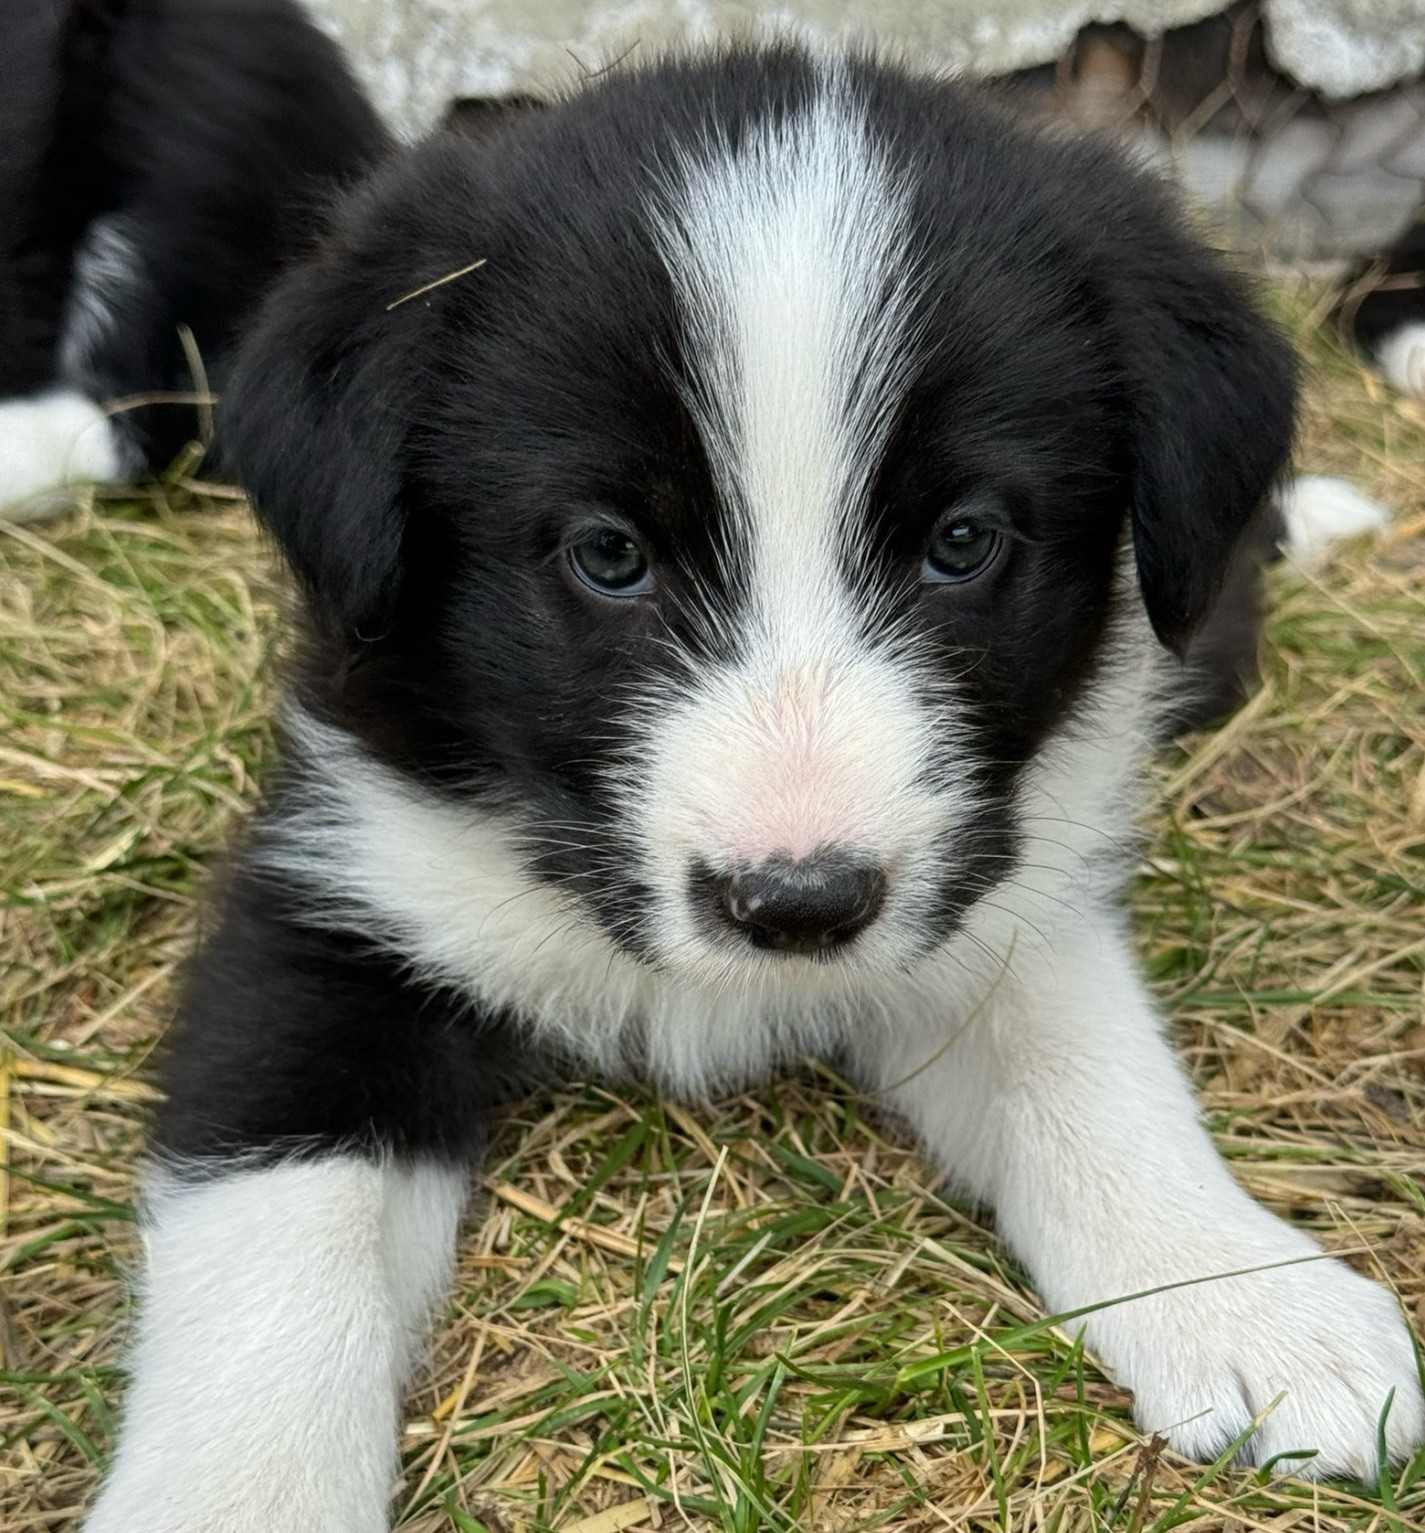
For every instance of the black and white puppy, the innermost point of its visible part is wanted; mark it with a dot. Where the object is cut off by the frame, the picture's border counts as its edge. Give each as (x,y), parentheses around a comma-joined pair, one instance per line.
(741,601)
(159,161)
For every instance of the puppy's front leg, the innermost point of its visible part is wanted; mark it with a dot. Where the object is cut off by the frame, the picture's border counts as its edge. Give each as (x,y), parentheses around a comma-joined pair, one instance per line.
(1062,1106)
(323,1105)
(281,1308)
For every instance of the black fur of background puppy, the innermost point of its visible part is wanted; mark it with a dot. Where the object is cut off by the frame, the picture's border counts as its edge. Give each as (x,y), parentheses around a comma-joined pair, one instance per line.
(159,161)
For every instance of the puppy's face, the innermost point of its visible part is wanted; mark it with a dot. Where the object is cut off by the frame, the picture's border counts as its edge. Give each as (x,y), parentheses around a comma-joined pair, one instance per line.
(747,521)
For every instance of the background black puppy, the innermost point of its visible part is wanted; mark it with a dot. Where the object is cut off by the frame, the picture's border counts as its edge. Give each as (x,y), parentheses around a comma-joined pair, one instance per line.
(740,606)
(159,160)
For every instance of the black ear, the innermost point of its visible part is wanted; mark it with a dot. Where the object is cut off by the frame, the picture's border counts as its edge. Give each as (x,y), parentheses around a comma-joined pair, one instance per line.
(1214,386)
(313,421)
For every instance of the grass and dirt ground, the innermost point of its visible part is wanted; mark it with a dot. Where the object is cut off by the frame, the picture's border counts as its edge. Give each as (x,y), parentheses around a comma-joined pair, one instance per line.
(756,1314)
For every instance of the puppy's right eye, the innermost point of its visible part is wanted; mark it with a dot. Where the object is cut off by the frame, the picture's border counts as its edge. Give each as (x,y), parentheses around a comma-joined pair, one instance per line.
(960,548)
(608,561)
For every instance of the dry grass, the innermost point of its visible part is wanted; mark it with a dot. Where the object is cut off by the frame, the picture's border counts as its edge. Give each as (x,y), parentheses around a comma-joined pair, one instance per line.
(755,1315)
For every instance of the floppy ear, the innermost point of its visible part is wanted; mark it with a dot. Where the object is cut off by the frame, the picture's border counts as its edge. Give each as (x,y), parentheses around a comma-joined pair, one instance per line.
(312,423)
(1215,391)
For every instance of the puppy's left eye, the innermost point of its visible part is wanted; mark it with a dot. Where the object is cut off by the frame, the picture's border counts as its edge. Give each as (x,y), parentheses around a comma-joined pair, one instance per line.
(960,548)
(608,561)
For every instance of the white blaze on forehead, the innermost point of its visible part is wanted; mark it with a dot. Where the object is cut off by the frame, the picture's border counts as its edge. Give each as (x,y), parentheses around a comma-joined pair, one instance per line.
(792,261)
(790,257)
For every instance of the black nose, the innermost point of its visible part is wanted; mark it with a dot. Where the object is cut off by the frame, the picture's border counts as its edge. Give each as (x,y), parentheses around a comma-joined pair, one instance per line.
(802,905)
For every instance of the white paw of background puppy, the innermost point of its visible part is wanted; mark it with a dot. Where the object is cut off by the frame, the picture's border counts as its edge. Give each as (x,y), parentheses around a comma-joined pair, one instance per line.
(1402,358)
(1205,1361)
(1319,511)
(50,443)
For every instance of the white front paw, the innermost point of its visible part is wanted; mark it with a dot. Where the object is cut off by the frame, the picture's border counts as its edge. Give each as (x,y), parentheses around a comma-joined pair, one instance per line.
(50,443)
(173,1502)
(1205,1361)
